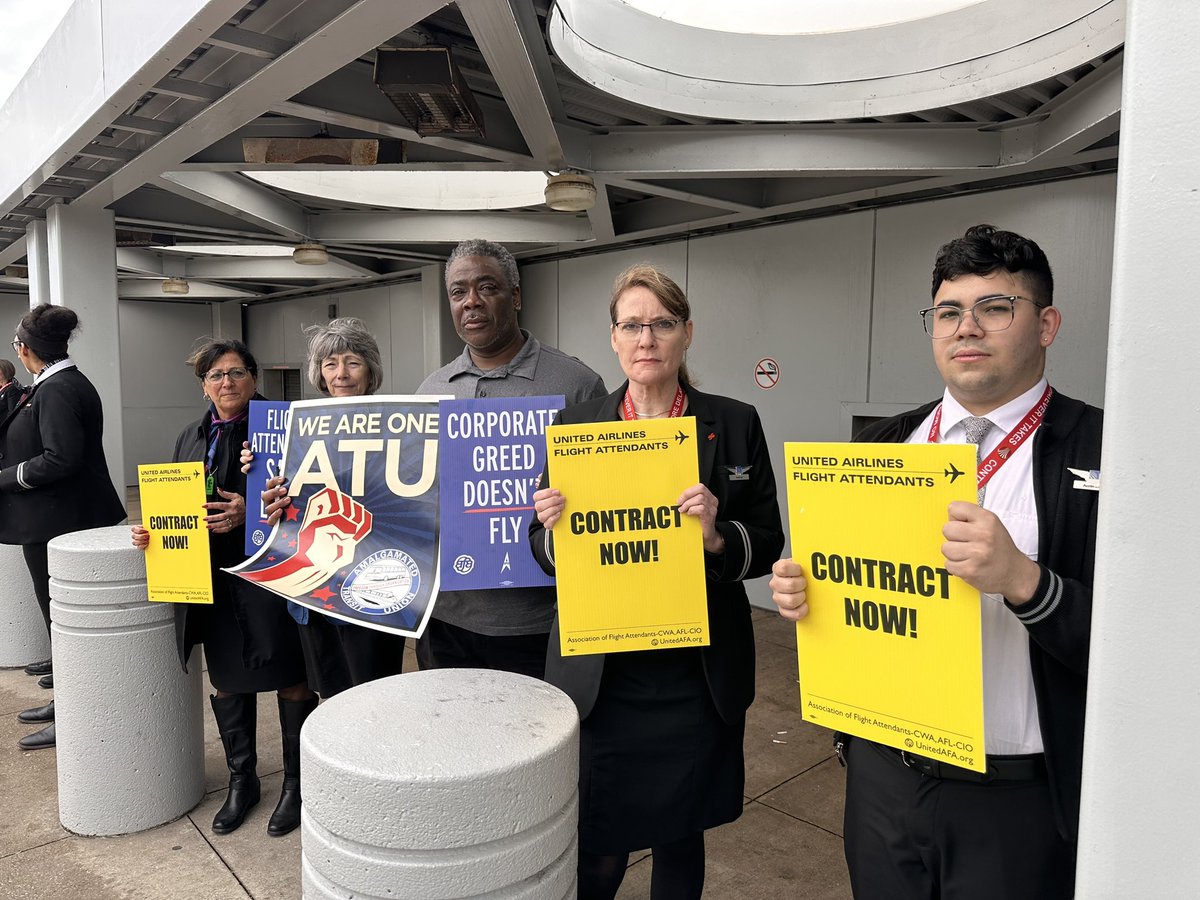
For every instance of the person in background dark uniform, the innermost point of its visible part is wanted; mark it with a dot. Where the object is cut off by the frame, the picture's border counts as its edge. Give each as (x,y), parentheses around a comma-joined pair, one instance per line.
(661,734)
(250,642)
(53,475)
(916,828)
(10,389)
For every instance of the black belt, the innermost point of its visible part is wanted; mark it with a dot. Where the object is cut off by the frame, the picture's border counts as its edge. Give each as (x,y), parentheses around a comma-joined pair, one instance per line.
(1025,767)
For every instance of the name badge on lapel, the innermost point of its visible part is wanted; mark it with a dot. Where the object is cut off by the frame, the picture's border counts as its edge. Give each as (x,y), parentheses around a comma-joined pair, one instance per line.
(1089,479)
(738,473)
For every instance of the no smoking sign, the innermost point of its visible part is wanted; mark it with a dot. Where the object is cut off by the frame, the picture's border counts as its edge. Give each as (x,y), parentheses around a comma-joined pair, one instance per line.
(766,373)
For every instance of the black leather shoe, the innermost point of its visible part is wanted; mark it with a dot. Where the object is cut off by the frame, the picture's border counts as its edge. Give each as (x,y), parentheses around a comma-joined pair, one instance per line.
(45,667)
(39,740)
(47,681)
(39,715)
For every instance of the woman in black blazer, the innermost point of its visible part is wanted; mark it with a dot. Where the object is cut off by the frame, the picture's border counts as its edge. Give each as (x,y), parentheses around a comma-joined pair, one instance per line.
(250,642)
(661,736)
(53,475)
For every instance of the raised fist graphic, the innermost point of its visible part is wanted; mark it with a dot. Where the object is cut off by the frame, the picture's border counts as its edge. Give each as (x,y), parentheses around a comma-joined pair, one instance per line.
(333,525)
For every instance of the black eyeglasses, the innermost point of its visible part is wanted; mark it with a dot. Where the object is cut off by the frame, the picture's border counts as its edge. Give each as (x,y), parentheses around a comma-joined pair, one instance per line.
(16,345)
(990,314)
(216,376)
(660,328)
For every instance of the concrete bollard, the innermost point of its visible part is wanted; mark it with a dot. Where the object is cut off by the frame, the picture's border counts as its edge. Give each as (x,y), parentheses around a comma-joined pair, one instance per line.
(23,638)
(441,784)
(129,720)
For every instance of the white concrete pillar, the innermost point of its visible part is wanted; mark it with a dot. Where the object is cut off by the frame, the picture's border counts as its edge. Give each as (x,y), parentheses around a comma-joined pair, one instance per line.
(37,258)
(23,637)
(441,784)
(129,721)
(1138,834)
(83,276)
(227,320)
(441,340)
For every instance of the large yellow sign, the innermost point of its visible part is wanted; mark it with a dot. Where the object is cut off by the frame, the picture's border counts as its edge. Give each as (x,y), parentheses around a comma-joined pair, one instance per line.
(891,649)
(630,566)
(177,562)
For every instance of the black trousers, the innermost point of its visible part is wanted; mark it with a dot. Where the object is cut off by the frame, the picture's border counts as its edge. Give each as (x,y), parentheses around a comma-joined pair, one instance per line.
(38,564)
(913,837)
(446,646)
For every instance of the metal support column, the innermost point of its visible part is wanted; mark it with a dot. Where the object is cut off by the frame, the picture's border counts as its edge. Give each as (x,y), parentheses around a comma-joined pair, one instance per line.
(1138,836)
(83,275)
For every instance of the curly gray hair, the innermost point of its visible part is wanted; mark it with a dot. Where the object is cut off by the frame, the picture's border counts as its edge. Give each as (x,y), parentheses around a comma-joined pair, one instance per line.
(480,247)
(344,335)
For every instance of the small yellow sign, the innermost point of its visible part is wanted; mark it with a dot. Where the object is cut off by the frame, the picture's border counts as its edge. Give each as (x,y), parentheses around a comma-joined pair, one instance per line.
(178,569)
(630,566)
(891,649)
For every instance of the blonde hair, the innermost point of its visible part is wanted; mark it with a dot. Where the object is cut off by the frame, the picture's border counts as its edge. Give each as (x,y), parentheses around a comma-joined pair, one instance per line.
(664,288)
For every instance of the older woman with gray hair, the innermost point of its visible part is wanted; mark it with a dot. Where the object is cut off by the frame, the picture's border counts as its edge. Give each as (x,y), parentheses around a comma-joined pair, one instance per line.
(343,361)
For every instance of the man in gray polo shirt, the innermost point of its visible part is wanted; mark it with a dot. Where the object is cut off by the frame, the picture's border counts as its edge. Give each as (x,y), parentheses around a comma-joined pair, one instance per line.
(506,628)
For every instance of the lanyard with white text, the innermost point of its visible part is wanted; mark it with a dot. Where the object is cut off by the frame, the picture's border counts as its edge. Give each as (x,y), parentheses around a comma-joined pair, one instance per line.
(991,464)
(629,413)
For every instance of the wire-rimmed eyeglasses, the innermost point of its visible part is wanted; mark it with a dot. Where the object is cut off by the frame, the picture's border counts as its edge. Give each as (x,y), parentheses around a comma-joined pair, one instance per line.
(990,314)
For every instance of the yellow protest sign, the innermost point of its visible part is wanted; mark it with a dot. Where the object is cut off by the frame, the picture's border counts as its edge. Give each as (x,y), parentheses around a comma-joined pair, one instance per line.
(891,648)
(630,566)
(177,561)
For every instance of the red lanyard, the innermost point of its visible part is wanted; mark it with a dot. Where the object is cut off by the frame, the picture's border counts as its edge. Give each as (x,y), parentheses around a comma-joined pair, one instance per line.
(991,463)
(629,413)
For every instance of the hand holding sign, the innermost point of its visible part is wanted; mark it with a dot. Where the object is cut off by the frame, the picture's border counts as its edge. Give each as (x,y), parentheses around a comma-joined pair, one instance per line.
(699,501)
(981,552)
(549,504)
(789,589)
(333,525)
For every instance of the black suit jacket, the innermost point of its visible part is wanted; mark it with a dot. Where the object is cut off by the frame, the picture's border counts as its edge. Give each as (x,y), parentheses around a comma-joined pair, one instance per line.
(53,474)
(729,434)
(1059,617)
(10,395)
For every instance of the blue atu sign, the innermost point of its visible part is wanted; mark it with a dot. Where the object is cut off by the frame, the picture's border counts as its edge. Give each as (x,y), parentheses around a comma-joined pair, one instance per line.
(490,454)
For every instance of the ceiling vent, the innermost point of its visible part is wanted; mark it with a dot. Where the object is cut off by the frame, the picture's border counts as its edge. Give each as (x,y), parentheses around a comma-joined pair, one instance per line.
(429,90)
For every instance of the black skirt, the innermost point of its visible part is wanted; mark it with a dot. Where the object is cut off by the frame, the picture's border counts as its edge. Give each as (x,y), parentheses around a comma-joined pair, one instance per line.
(251,644)
(339,656)
(657,762)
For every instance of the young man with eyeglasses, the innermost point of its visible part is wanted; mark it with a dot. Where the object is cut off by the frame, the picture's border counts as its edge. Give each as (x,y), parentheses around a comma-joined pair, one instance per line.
(914,829)
(507,628)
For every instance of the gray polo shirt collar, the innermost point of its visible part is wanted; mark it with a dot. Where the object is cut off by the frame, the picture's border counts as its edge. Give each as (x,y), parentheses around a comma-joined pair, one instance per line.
(523,364)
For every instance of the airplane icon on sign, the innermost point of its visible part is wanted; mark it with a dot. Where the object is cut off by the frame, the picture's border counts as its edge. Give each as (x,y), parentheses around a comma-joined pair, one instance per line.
(680,437)
(952,473)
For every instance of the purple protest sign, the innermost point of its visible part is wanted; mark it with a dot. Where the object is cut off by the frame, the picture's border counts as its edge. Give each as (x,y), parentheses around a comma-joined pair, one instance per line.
(268,428)
(490,454)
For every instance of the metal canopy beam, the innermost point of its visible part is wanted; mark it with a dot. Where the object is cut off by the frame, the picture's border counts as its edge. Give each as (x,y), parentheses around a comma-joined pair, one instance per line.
(749,151)
(142,262)
(350,34)
(441,227)
(240,197)
(251,43)
(151,289)
(392,130)
(494,26)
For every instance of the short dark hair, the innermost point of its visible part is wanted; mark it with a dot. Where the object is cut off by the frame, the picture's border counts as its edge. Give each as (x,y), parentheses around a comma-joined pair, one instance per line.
(7,370)
(985,249)
(492,250)
(212,349)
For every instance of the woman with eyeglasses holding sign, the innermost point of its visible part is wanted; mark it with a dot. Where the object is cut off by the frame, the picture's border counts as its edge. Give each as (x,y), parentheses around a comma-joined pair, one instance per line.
(343,361)
(53,475)
(661,736)
(250,643)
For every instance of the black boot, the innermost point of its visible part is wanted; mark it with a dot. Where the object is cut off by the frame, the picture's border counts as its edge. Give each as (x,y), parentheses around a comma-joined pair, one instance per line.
(236,720)
(292,714)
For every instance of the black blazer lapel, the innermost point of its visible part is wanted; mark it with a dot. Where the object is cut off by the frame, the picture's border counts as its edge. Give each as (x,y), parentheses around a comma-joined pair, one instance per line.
(707,434)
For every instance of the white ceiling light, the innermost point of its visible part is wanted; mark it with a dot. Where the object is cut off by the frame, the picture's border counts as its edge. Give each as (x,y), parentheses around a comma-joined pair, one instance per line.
(309,254)
(570,192)
(850,60)
(413,190)
(261,250)
(791,17)
(175,286)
